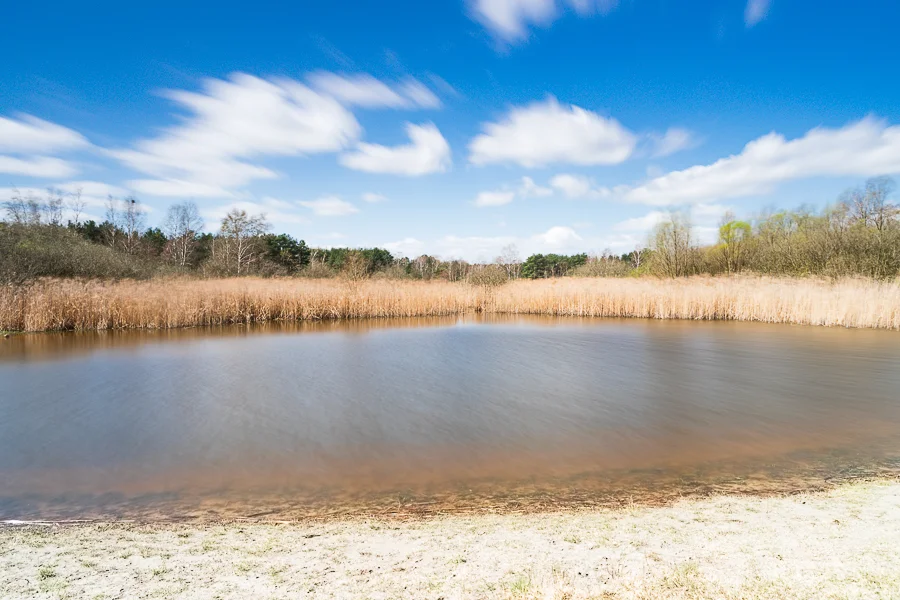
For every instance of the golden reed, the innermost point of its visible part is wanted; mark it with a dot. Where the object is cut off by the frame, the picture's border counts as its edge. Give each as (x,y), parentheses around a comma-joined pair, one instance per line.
(168,303)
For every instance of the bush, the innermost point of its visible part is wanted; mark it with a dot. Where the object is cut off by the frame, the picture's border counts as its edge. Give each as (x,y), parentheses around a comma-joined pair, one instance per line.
(31,251)
(488,276)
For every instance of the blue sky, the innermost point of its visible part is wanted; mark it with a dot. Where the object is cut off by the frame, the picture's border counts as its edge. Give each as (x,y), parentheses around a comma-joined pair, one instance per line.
(452,127)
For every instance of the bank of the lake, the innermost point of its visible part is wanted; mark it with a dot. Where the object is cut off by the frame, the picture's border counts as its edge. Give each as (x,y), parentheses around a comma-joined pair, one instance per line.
(835,544)
(54,305)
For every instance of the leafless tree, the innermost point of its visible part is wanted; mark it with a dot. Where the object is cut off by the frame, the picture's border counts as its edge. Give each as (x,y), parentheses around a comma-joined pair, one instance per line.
(181,226)
(111,232)
(637,256)
(53,208)
(126,219)
(23,209)
(510,260)
(76,205)
(240,235)
(673,246)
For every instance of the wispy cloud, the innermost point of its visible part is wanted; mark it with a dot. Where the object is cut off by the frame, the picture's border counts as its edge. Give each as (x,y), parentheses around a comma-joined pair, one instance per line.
(511,20)
(368,92)
(30,140)
(756,11)
(232,122)
(329,206)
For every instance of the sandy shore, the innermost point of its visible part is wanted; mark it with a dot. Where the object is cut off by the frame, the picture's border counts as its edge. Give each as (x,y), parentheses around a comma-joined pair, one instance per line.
(837,544)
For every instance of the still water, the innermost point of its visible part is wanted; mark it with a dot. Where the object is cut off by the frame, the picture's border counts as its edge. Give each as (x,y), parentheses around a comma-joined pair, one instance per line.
(436,415)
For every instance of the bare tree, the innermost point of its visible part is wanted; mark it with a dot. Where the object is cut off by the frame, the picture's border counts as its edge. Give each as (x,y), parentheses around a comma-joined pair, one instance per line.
(673,247)
(181,226)
(637,256)
(510,260)
(111,231)
(53,208)
(76,205)
(23,209)
(240,234)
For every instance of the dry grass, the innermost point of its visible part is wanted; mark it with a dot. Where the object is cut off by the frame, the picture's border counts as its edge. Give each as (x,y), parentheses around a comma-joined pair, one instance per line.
(837,544)
(74,305)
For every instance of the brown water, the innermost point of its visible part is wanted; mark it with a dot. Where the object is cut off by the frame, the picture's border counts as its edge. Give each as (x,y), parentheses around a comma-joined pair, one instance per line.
(424,415)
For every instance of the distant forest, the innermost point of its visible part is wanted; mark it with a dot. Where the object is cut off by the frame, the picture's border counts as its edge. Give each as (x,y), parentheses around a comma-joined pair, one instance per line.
(859,234)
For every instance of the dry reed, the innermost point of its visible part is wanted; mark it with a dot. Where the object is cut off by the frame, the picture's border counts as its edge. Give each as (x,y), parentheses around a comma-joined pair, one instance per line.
(162,304)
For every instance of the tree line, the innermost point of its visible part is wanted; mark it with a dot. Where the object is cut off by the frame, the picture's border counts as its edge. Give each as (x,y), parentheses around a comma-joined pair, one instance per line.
(857,235)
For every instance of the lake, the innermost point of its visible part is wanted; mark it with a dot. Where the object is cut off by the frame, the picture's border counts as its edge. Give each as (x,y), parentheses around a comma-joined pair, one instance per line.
(433,415)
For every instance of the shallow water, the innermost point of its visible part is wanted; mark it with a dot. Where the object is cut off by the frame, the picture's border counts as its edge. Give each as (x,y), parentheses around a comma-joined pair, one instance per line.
(421,415)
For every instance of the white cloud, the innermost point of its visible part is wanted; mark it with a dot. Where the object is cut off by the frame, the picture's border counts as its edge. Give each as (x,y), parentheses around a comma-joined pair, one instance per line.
(30,135)
(558,237)
(97,189)
(37,166)
(472,248)
(357,90)
(703,217)
(865,148)
(756,11)
(509,20)
(373,197)
(236,120)
(578,186)
(419,94)
(406,247)
(642,224)
(368,92)
(428,152)
(329,206)
(178,188)
(673,140)
(498,198)
(543,133)
(529,188)
(30,139)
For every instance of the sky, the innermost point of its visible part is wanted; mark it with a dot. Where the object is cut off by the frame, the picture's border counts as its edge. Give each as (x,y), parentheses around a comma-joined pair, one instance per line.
(452,127)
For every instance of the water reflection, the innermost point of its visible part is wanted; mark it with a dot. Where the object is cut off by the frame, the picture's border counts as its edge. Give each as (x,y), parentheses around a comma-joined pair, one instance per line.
(304,418)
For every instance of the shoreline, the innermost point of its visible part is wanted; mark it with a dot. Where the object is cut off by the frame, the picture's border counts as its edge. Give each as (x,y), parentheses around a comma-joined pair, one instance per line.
(809,545)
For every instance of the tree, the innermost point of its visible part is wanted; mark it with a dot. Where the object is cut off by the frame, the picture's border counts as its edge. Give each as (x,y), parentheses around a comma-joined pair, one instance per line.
(154,241)
(124,222)
(869,205)
(510,260)
(76,205)
(53,208)
(23,209)
(131,224)
(733,237)
(286,251)
(182,225)
(240,234)
(672,246)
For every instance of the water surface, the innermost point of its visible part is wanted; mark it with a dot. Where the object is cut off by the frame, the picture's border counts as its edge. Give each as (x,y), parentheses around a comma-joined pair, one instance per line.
(436,414)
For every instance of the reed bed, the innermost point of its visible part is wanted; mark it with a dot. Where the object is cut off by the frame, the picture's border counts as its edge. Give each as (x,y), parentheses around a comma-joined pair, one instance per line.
(55,305)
